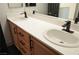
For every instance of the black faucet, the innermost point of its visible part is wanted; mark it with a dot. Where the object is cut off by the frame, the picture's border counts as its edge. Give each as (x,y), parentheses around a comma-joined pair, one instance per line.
(67,25)
(25,14)
(76,20)
(33,11)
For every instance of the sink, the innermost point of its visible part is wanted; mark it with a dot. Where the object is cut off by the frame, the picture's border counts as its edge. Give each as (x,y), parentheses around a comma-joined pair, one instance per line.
(62,38)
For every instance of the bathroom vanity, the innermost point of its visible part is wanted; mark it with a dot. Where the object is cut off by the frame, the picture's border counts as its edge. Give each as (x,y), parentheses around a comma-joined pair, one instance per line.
(28,35)
(28,44)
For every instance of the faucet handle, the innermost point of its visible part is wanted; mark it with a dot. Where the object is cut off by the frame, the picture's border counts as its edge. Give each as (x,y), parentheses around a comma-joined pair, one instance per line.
(22,13)
(33,11)
(68,23)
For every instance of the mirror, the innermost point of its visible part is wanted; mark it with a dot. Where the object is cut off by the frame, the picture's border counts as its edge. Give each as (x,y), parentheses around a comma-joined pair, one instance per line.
(61,10)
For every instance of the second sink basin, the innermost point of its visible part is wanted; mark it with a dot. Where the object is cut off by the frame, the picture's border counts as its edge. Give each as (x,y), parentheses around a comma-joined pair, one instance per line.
(62,38)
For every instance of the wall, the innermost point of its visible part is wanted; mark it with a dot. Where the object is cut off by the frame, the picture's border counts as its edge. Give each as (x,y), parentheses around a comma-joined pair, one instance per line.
(3,10)
(72,8)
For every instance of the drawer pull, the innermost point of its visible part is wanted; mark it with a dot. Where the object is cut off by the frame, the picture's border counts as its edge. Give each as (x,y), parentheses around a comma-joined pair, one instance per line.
(22,42)
(21,34)
(31,44)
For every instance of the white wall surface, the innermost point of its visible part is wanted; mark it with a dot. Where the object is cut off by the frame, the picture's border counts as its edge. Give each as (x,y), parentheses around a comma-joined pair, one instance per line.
(3,10)
(72,8)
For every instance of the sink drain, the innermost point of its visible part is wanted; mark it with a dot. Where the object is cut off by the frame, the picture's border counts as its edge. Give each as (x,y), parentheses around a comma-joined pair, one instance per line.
(61,42)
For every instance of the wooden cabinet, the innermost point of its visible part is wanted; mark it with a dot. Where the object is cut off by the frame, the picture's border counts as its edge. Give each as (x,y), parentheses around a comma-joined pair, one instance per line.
(39,48)
(24,41)
(20,38)
(27,44)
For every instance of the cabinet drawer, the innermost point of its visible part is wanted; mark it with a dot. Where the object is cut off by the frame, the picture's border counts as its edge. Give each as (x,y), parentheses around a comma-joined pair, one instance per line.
(22,44)
(24,49)
(23,36)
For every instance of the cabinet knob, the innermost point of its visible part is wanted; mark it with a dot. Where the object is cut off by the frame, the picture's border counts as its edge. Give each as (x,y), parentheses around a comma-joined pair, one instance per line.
(21,34)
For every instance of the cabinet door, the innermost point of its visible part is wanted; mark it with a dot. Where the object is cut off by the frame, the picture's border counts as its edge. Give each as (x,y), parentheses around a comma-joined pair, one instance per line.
(13,29)
(24,41)
(40,49)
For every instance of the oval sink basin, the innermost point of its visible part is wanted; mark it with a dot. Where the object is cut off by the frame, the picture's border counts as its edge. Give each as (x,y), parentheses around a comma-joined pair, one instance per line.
(62,38)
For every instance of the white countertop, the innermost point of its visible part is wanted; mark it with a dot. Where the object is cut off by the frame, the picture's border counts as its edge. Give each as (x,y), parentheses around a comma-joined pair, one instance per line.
(37,28)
